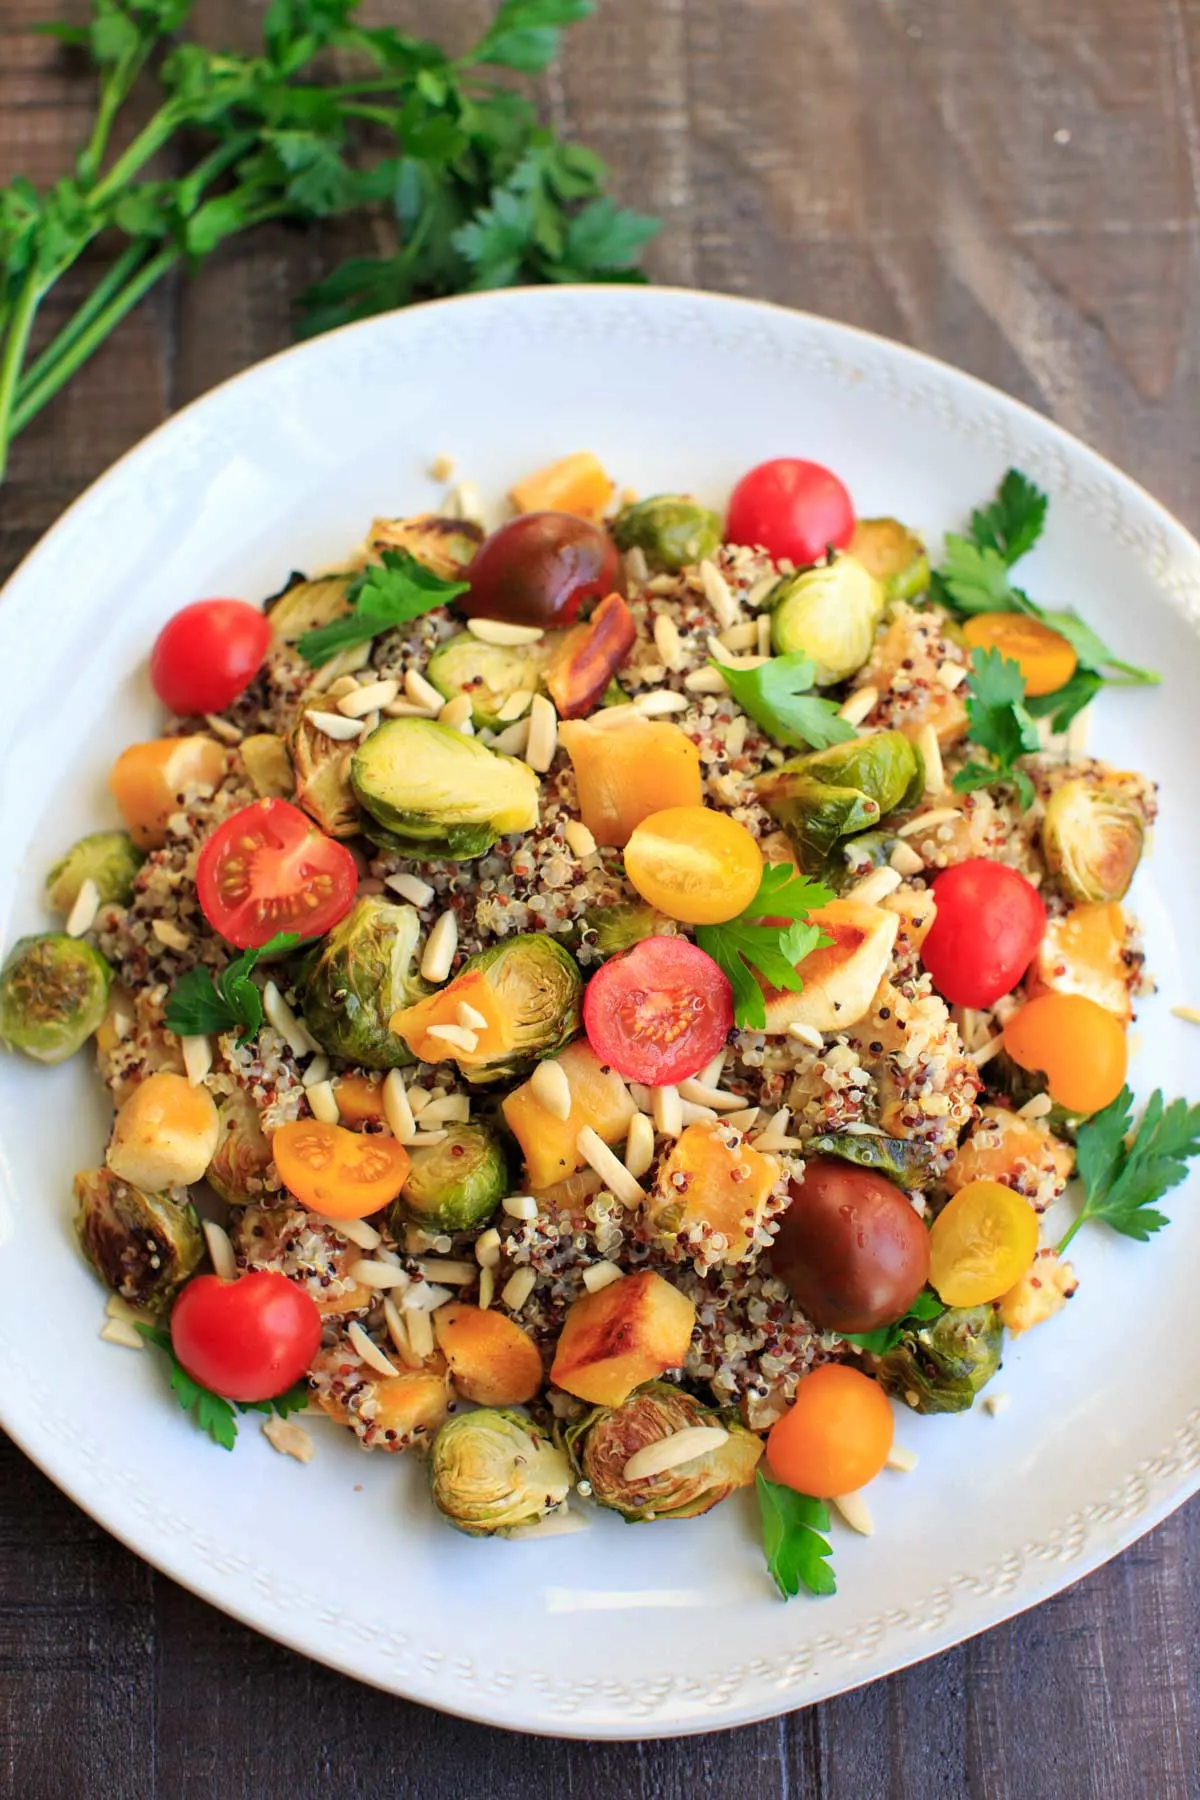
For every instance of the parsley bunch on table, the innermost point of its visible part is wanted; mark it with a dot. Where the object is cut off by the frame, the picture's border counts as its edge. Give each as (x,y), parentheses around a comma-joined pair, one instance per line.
(328,116)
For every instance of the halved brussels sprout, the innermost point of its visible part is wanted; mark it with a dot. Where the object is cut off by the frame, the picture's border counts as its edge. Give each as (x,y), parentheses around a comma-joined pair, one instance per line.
(488,673)
(539,987)
(494,1470)
(894,555)
(815,815)
(828,614)
(266,761)
(143,1246)
(243,1153)
(436,792)
(621,926)
(109,858)
(882,765)
(53,995)
(321,778)
(832,794)
(357,976)
(670,530)
(444,545)
(1093,839)
(458,1184)
(603,1440)
(902,1160)
(940,1367)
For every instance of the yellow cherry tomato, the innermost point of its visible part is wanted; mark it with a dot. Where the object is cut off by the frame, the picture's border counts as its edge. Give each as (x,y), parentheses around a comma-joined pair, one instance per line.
(981,1243)
(342,1174)
(1044,657)
(1077,1044)
(835,1436)
(693,864)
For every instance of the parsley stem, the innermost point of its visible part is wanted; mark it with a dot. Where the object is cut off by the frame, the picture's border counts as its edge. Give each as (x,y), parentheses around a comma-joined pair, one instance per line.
(114,89)
(1069,1234)
(16,343)
(97,300)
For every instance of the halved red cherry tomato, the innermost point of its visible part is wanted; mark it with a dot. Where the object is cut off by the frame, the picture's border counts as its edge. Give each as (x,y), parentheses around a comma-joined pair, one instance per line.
(658,1013)
(208,654)
(248,1339)
(792,508)
(539,569)
(588,657)
(988,925)
(269,869)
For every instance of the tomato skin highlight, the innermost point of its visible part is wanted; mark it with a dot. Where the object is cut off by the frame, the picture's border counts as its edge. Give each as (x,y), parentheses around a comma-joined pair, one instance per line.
(1077,1044)
(985,934)
(694,864)
(208,654)
(248,1339)
(539,569)
(658,1013)
(835,1436)
(268,869)
(791,507)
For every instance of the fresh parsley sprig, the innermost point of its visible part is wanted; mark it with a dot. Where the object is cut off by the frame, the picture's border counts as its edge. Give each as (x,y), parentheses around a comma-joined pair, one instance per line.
(388,593)
(925,1308)
(777,696)
(216,1416)
(770,936)
(999,723)
(1124,1171)
(200,1003)
(792,1525)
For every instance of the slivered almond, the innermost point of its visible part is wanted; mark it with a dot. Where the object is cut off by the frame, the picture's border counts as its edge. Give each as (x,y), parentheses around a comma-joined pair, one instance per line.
(500,632)
(672,1452)
(551,1089)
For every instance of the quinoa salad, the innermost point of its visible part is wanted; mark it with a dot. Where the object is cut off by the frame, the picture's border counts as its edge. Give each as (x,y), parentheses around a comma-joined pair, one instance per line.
(604,1006)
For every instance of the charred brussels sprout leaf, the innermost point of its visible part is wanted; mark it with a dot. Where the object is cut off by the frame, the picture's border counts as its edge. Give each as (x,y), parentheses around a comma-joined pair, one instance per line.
(489,674)
(431,791)
(1093,838)
(142,1246)
(832,794)
(670,530)
(321,778)
(882,766)
(603,1440)
(621,926)
(455,1185)
(539,987)
(941,1366)
(444,545)
(305,606)
(894,555)
(53,995)
(243,1154)
(109,858)
(357,976)
(857,856)
(828,614)
(902,1160)
(493,1470)
(268,764)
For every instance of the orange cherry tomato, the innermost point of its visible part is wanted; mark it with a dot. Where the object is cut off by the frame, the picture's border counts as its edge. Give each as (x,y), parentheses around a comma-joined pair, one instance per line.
(1077,1044)
(694,864)
(835,1436)
(1044,657)
(981,1243)
(343,1174)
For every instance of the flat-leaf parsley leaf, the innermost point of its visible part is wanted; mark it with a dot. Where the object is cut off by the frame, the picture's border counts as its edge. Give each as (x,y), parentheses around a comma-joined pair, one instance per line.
(797,1554)
(200,1003)
(1123,1171)
(999,723)
(212,1413)
(389,593)
(776,695)
(771,936)
(923,1310)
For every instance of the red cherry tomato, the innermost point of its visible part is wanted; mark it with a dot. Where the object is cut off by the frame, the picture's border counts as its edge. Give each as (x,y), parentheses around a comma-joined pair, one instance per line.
(658,1013)
(989,923)
(248,1339)
(540,568)
(792,508)
(208,654)
(269,869)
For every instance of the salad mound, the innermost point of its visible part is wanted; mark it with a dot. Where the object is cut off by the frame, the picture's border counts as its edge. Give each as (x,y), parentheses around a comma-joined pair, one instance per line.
(607,1005)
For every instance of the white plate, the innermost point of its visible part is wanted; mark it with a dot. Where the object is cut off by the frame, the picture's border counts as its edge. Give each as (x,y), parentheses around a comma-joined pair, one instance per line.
(614,1632)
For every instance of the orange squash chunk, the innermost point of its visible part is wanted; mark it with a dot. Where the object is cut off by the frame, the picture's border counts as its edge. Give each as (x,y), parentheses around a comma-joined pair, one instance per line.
(494,1039)
(599,1098)
(147,780)
(705,1183)
(1020,1153)
(574,484)
(628,770)
(628,1333)
(1084,953)
(359,1099)
(492,1360)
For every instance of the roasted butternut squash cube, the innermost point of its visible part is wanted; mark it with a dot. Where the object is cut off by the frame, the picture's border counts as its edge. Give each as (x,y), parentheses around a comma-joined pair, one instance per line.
(1087,952)
(713,1191)
(151,781)
(1020,1153)
(492,1360)
(574,484)
(629,1332)
(492,1040)
(599,1098)
(359,1100)
(628,769)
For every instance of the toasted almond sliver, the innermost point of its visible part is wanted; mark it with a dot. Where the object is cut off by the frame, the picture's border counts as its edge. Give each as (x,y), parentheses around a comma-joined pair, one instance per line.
(660,701)
(863,701)
(368,699)
(380,1276)
(667,641)
(579,840)
(398,1332)
(702,1094)
(613,1173)
(876,886)
(601,1275)
(718,594)
(940,815)
(906,860)
(397,1109)
(370,1353)
(513,739)
(323,1100)
(902,1460)
(520,1206)
(197,1058)
(518,1288)
(457,714)
(931,753)
(856,1513)
(355,1231)
(551,1089)
(500,632)
(516,706)
(806,1034)
(457,1036)
(289,1438)
(639,1145)
(672,1452)
(420,1333)
(706,681)
(440,946)
(82,915)
(412,888)
(543,734)
(667,1110)
(487,1248)
(119,1331)
(220,1250)
(334,725)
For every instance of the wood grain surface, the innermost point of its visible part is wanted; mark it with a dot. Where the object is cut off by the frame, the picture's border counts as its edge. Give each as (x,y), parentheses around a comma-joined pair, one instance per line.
(1013,185)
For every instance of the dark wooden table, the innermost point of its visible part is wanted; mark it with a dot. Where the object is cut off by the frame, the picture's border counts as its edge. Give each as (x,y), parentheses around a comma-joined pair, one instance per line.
(1011,186)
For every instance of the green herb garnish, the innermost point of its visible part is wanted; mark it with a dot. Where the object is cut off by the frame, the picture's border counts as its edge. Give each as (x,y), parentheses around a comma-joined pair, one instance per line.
(387,594)
(200,1002)
(748,943)
(797,1554)
(216,1416)
(776,695)
(1000,724)
(1124,1171)
(924,1308)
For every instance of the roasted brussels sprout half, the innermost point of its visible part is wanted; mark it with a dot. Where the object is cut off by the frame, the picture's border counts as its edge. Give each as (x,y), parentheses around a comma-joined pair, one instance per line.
(940,1367)
(493,1470)
(321,778)
(827,795)
(621,926)
(143,1246)
(670,530)
(109,858)
(1092,838)
(53,995)
(605,1438)
(435,792)
(444,545)
(828,614)
(307,605)
(489,674)
(357,976)
(539,987)
(458,1184)
(883,765)
(243,1153)
(902,1160)
(894,555)
(815,815)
